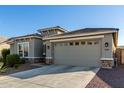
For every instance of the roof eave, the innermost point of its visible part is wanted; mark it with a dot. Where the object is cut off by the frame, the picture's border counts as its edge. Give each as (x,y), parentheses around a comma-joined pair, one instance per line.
(18,38)
(83,34)
(42,30)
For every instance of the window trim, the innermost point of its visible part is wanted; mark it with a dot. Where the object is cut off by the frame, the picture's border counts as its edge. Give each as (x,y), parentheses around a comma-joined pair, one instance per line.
(65,44)
(22,43)
(88,43)
(71,43)
(77,43)
(18,49)
(83,42)
(96,42)
(48,47)
(60,44)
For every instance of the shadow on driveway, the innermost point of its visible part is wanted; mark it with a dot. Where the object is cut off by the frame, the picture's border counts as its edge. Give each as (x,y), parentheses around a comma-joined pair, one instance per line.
(52,69)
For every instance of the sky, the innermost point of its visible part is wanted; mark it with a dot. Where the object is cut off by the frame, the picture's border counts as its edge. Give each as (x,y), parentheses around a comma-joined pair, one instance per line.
(22,20)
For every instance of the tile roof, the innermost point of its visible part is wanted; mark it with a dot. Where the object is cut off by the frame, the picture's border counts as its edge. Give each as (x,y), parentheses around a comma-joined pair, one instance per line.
(79,31)
(2,38)
(121,47)
(87,30)
(51,28)
(35,34)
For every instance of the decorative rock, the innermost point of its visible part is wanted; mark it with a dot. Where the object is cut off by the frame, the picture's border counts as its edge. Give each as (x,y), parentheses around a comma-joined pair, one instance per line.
(107,64)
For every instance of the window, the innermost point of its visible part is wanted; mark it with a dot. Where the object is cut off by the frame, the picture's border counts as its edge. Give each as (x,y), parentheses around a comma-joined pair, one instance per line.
(23,49)
(83,42)
(96,42)
(61,44)
(89,43)
(48,47)
(71,43)
(20,50)
(44,50)
(76,43)
(55,44)
(65,44)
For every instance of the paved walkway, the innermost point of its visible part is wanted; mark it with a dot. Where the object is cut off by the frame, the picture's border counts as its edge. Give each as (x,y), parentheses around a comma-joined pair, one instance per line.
(54,76)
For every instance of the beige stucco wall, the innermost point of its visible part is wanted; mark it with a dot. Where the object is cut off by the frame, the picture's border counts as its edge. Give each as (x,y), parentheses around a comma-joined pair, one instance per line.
(38,43)
(107,52)
(48,51)
(13,49)
(111,49)
(104,52)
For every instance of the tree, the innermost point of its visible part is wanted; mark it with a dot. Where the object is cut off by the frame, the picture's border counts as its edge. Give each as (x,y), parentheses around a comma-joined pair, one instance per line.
(5,52)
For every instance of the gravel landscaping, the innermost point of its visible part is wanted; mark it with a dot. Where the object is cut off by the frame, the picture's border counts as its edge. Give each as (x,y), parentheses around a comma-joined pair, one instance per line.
(108,78)
(22,67)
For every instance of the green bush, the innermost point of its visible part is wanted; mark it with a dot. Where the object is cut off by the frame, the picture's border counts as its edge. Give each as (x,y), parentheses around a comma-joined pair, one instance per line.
(16,66)
(5,52)
(11,60)
(1,59)
(1,65)
(22,61)
(3,70)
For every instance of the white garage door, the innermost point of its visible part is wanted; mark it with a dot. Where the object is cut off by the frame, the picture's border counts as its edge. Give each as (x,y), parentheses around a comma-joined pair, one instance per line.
(77,53)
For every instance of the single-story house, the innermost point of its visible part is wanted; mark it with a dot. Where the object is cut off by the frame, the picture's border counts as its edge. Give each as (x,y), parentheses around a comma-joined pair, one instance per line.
(93,47)
(120,55)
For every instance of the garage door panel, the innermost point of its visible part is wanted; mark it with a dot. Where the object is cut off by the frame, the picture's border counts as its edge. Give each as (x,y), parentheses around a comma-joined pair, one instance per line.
(82,55)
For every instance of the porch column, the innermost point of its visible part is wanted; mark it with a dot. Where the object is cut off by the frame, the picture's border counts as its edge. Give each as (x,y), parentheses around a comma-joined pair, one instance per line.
(49,52)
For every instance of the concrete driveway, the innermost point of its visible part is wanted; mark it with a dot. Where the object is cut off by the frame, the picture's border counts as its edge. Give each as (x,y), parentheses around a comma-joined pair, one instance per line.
(53,76)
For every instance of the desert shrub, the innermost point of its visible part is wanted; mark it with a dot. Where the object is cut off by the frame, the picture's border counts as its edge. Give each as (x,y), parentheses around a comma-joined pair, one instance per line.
(22,61)
(1,59)
(16,66)
(5,52)
(1,65)
(13,59)
(3,70)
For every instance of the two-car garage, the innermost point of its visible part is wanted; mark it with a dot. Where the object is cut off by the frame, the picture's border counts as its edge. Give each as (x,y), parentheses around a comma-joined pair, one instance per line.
(89,47)
(78,53)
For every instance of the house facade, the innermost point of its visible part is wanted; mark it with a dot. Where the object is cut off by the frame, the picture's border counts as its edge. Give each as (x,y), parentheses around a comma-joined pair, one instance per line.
(92,47)
(120,55)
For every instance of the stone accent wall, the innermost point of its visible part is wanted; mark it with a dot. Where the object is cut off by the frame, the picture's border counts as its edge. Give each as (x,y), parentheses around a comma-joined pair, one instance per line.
(49,61)
(34,60)
(107,64)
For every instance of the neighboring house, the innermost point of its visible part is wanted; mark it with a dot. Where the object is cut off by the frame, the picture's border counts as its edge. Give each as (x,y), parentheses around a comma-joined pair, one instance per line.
(94,47)
(120,55)
(3,45)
